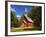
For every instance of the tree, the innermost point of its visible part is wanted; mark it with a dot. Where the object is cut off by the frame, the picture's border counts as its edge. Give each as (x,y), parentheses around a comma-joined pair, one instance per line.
(35,15)
(14,21)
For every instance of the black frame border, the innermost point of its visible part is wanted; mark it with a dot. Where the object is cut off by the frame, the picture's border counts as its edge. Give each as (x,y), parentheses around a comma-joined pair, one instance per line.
(6,18)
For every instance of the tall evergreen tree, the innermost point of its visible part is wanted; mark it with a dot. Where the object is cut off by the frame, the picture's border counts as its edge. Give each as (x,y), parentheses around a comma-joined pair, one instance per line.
(14,21)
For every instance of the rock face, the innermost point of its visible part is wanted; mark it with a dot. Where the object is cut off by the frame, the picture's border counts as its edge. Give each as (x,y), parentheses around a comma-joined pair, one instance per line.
(27,22)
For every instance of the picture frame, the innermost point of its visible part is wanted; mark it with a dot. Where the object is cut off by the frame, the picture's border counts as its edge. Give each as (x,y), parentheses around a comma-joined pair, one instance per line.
(8,4)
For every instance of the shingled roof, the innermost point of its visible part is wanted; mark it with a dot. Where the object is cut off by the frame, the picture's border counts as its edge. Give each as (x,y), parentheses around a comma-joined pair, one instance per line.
(29,19)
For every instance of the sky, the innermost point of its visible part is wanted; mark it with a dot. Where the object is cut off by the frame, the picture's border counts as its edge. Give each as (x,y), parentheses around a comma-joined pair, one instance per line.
(20,9)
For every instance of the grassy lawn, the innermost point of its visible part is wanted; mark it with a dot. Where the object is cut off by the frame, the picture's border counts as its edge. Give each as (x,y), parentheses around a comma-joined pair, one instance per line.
(20,29)
(16,30)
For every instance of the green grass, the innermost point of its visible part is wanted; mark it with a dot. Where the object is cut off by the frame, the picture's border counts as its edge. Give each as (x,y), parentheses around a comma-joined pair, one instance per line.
(16,30)
(20,30)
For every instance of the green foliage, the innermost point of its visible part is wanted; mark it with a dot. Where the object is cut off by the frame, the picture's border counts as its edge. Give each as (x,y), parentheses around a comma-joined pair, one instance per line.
(35,15)
(14,21)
